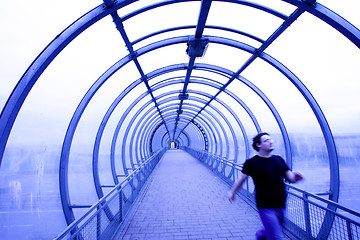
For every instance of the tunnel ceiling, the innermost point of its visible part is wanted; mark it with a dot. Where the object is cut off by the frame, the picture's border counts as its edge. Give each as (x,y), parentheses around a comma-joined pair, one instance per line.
(131,77)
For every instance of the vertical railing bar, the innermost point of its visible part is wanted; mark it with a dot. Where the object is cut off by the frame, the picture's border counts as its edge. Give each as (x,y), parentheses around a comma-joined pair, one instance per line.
(132,190)
(348,226)
(98,223)
(209,159)
(120,204)
(235,174)
(144,170)
(307,216)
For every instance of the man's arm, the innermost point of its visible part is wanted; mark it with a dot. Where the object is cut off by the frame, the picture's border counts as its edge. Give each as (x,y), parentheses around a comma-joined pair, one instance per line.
(237,186)
(293,176)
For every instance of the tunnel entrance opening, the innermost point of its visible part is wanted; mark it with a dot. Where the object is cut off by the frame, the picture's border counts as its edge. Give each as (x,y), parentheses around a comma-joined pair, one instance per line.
(174,145)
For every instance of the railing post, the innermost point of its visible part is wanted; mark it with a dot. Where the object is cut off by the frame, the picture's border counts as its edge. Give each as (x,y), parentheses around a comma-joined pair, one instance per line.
(120,205)
(223,167)
(307,216)
(311,217)
(348,226)
(232,172)
(98,223)
(131,198)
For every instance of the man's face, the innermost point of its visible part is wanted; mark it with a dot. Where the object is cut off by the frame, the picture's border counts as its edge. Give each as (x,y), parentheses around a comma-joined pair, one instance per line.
(266,143)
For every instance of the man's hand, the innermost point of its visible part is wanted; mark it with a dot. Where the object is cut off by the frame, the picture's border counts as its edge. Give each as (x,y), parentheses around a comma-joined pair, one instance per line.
(231,196)
(293,176)
(298,176)
(237,186)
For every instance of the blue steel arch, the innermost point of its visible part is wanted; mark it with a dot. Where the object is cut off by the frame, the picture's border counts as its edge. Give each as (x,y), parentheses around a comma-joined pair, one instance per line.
(191,105)
(249,84)
(152,136)
(120,63)
(182,142)
(213,144)
(204,129)
(34,71)
(98,85)
(25,84)
(188,118)
(99,136)
(171,107)
(242,104)
(100,132)
(324,126)
(217,85)
(131,124)
(175,99)
(220,125)
(244,134)
(206,145)
(265,100)
(165,101)
(139,81)
(228,108)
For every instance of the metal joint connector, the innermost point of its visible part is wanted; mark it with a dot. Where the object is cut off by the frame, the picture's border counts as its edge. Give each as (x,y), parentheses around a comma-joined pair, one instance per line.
(309,2)
(133,54)
(197,47)
(183,96)
(109,3)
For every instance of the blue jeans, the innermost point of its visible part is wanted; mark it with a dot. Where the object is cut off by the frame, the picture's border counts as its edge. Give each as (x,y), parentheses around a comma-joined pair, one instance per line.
(272,220)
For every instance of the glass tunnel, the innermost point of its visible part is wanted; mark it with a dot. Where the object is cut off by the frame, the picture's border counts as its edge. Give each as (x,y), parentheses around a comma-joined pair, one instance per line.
(117,82)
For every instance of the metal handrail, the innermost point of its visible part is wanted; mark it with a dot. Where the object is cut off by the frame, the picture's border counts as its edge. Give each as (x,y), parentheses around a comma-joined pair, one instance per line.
(320,218)
(315,218)
(74,230)
(327,201)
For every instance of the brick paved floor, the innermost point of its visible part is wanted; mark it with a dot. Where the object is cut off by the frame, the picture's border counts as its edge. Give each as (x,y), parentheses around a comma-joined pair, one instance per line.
(184,200)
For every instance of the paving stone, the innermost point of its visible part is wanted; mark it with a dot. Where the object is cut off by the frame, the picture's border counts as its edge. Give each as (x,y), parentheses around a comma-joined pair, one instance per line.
(185,200)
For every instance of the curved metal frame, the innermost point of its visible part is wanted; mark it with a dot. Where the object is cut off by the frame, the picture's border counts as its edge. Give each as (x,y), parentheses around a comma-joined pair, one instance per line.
(35,70)
(107,115)
(169,107)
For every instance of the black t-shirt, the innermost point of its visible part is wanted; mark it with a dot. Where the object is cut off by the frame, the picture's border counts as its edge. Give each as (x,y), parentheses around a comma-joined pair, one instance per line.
(268,176)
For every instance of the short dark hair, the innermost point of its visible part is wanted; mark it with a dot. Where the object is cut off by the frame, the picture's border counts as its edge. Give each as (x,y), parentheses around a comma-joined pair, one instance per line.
(256,140)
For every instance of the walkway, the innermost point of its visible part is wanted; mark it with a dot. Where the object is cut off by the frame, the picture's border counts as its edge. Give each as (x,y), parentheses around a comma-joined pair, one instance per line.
(184,200)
